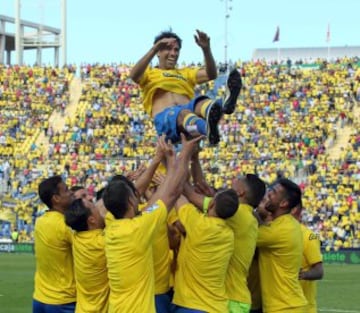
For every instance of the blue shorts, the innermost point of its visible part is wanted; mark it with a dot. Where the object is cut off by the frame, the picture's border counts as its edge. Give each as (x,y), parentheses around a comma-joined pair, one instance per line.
(163,302)
(166,121)
(39,307)
(180,309)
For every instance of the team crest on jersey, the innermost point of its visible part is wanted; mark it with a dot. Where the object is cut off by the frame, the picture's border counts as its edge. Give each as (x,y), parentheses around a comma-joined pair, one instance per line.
(151,208)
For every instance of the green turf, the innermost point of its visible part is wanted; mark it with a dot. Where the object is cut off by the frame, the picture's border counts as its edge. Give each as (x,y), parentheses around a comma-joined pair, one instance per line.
(338,292)
(16,282)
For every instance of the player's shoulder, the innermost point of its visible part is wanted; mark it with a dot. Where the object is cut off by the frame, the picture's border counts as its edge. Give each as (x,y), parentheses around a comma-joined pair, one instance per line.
(309,234)
(158,205)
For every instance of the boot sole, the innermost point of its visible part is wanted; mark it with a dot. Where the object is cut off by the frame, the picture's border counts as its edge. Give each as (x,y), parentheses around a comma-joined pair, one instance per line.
(234,84)
(212,120)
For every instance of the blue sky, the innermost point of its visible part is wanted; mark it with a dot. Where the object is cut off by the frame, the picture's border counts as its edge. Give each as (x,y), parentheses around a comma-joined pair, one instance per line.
(123,30)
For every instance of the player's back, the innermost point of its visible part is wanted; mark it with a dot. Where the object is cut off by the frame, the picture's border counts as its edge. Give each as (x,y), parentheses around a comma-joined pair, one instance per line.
(54,277)
(280,253)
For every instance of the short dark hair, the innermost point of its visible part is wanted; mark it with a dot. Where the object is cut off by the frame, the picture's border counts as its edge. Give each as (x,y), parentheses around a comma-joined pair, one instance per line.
(124,179)
(77,215)
(168,34)
(292,192)
(256,189)
(76,188)
(47,188)
(116,197)
(226,203)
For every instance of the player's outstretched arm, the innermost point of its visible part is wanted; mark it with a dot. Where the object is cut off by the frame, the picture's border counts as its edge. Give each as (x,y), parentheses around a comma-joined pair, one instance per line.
(201,186)
(195,198)
(210,70)
(144,180)
(177,171)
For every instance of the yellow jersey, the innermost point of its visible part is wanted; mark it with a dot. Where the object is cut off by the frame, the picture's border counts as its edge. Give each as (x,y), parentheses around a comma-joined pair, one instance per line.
(161,258)
(54,275)
(245,228)
(311,256)
(92,285)
(128,248)
(203,261)
(179,81)
(280,252)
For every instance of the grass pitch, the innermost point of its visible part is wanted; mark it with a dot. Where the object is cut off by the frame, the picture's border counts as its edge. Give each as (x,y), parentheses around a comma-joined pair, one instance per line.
(338,292)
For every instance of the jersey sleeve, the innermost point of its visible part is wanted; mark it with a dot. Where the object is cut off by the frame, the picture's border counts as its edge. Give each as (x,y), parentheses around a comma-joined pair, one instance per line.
(144,78)
(188,216)
(312,251)
(191,75)
(152,216)
(267,235)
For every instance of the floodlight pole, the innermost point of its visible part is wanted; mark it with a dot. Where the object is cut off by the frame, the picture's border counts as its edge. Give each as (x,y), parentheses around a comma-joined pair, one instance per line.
(63,32)
(18,33)
(226,42)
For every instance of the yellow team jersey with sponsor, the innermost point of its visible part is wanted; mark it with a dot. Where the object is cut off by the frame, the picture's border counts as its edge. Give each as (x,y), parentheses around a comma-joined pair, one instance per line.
(179,81)
(203,262)
(128,248)
(92,284)
(54,275)
(311,256)
(280,246)
(245,228)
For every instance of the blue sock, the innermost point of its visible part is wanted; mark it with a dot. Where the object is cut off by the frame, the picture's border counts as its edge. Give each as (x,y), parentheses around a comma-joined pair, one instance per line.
(194,124)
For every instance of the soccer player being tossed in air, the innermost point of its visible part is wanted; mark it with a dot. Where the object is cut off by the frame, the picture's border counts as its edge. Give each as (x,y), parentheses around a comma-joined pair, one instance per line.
(168,92)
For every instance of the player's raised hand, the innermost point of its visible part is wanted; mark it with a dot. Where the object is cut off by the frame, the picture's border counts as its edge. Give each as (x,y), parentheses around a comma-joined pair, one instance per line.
(205,189)
(158,178)
(202,39)
(133,175)
(161,149)
(188,146)
(168,151)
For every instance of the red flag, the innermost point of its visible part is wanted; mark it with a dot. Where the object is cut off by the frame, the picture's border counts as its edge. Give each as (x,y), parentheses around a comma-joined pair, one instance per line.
(277,35)
(328,34)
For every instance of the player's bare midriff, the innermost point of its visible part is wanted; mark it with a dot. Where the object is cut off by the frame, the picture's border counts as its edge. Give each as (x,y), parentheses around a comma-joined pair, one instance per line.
(163,99)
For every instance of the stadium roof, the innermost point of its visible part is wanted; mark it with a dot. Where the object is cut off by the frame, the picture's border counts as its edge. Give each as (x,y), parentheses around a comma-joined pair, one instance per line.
(306,54)
(10,37)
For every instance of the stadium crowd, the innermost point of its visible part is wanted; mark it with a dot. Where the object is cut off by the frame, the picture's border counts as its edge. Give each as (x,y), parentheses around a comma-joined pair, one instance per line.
(285,122)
